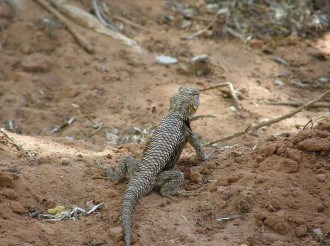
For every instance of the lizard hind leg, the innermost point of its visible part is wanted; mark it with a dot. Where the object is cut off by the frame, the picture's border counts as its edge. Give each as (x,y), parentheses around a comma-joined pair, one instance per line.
(128,163)
(168,182)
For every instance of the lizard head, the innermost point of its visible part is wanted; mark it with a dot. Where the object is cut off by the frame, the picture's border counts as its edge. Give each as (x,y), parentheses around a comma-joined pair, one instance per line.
(185,101)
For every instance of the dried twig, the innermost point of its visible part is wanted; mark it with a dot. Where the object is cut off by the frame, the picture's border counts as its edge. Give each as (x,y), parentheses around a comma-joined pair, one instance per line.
(231,90)
(251,128)
(101,16)
(198,33)
(80,39)
(297,104)
(64,126)
(202,116)
(131,23)
(311,122)
(87,20)
(17,145)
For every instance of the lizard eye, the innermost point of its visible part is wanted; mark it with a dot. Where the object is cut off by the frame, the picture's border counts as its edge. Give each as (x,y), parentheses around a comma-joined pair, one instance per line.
(196,101)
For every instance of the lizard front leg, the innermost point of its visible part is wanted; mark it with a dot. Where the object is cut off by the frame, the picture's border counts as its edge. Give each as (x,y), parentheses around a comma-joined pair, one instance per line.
(198,146)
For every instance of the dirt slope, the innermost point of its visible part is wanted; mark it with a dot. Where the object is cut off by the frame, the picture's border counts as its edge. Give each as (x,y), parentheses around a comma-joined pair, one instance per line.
(271,188)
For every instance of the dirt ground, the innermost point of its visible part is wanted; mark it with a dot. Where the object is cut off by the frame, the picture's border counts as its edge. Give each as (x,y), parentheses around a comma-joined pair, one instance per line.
(269,188)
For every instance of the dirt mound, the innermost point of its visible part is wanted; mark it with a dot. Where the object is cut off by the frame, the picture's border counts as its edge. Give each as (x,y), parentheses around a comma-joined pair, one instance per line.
(273,192)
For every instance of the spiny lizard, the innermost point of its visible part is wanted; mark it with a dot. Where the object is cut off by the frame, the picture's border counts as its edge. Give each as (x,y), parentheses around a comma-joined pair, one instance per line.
(159,157)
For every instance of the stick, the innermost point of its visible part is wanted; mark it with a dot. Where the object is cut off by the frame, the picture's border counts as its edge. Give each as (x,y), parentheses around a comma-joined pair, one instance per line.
(89,21)
(17,145)
(311,122)
(297,104)
(133,24)
(251,128)
(101,16)
(203,116)
(198,33)
(231,90)
(214,86)
(80,40)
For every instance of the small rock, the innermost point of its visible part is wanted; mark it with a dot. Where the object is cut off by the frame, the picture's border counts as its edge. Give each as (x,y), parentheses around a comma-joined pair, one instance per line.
(233,179)
(65,161)
(278,82)
(6,180)
(275,203)
(200,230)
(256,43)
(36,63)
(199,65)
(166,60)
(112,193)
(301,231)
(49,203)
(317,232)
(135,238)
(116,233)
(278,224)
(195,176)
(225,192)
(314,144)
(244,203)
(9,193)
(212,8)
(50,81)
(17,207)
(73,93)
(321,177)
(48,230)
(28,49)
(324,79)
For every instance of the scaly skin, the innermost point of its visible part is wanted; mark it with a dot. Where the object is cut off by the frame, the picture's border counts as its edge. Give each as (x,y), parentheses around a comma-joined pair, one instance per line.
(160,155)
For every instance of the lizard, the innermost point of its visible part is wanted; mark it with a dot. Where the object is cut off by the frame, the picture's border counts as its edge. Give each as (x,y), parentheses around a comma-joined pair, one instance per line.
(162,151)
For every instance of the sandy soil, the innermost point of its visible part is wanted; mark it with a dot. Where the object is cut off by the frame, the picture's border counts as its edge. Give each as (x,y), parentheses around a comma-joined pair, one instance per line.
(273,185)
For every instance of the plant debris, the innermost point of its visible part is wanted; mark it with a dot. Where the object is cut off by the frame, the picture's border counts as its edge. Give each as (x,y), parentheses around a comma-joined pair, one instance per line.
(61,213)
(252,19)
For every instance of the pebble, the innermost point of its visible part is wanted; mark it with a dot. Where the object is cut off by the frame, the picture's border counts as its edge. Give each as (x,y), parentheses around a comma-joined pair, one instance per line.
(278,224)
(116,233)
(278,82)
(166,60)
(201,58)
(317,232)
(36,63)
(256,43)
(48,230)
(50,81)
(321,177)
(301,231)
(17,207)
(65,161)
(112,193)
(195,176)
(5,180)
(324,79)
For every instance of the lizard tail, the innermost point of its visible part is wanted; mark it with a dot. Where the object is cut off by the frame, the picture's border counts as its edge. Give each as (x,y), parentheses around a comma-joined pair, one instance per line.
(129,201)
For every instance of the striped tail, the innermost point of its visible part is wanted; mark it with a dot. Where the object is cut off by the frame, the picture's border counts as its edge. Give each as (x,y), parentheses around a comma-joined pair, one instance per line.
(129,201)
